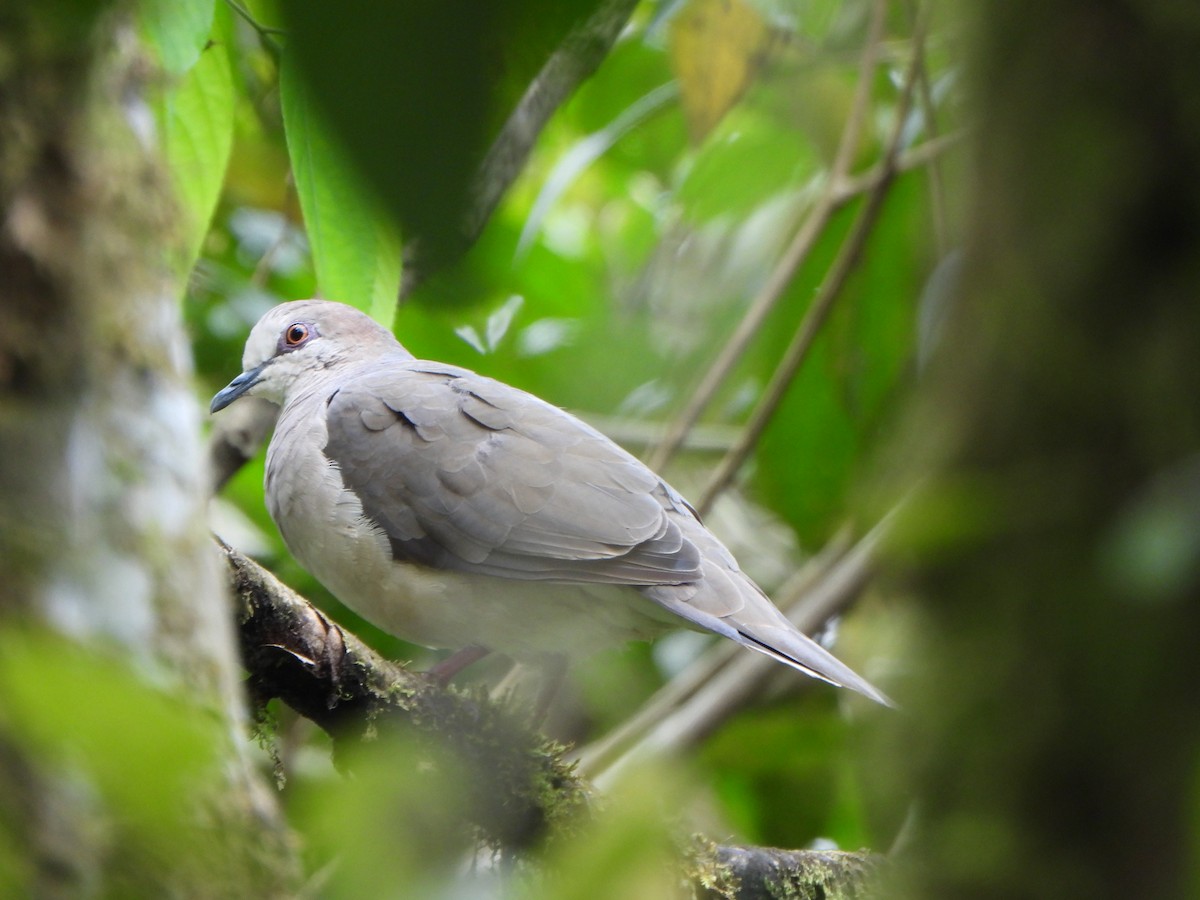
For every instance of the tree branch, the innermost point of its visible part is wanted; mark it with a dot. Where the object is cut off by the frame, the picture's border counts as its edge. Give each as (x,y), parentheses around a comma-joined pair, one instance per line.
(521,789)
(765,873)
(579,55)
(928,106)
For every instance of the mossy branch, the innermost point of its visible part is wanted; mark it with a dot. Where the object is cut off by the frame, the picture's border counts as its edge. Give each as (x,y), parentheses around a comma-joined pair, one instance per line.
(765,873)
(522,791)
(521,788)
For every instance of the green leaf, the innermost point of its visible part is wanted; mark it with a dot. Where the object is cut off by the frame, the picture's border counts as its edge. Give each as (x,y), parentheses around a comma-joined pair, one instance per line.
(416,92)
(196,119)
(177,30)
(147,751)
(397,823)
(746,162)
(355,251)
(625,849)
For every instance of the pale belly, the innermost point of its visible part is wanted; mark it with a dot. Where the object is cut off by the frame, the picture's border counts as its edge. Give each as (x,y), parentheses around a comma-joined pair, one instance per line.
(525,619)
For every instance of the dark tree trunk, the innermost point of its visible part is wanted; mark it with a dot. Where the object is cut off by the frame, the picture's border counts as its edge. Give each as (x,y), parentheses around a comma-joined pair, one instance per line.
(1054,731)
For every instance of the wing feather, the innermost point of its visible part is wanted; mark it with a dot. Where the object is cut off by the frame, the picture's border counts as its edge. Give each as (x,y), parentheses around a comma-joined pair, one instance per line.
(463,472)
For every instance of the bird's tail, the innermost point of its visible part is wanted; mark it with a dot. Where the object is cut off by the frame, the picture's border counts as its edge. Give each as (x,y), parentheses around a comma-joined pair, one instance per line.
(732,605)
(727,601)
(785,643)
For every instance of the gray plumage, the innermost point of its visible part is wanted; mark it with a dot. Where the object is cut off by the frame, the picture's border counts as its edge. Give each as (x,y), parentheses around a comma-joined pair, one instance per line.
(452,509)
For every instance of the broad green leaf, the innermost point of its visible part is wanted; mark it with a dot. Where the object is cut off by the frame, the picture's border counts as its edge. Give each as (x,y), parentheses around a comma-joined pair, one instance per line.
(177,30)
(196,118)
(355,251)
(416,91)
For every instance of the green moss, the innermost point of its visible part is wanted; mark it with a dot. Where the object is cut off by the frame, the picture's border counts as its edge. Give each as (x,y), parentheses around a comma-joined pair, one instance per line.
(719,872)
(705,869)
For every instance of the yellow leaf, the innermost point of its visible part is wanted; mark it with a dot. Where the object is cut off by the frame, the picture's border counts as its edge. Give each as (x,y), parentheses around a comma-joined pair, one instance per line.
(716,49)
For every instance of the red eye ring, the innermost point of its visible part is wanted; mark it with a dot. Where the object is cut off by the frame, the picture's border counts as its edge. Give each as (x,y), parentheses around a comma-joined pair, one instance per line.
(295,334)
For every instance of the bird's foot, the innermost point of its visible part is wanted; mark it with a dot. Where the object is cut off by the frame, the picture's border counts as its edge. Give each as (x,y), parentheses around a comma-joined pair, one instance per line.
(443,672)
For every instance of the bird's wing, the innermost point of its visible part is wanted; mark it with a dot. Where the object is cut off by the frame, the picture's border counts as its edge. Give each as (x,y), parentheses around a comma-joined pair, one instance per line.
(465,473)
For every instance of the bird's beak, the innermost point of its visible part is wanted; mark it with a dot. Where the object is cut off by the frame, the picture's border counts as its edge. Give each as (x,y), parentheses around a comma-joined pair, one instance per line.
(236,388)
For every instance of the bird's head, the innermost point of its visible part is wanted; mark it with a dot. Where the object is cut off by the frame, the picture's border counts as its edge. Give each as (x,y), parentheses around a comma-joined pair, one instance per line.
(298,339)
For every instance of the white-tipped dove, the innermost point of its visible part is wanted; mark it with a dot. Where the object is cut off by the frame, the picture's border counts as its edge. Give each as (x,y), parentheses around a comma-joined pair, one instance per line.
(453,510)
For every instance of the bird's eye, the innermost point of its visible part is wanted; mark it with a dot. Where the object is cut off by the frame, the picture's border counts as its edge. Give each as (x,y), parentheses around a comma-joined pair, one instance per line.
(296,334)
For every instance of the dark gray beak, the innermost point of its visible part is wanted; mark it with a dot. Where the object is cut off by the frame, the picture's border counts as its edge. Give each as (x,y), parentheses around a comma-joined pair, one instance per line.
(236,388)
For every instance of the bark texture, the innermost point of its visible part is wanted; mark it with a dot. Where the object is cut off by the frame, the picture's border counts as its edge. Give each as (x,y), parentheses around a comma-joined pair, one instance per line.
(102,480)
(768,873)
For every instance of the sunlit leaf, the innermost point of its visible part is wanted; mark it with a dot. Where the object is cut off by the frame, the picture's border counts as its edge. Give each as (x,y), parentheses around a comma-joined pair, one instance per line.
(586,151)
(748,160)
(545,335)
(177,30)
(471,336)
(196,117)
(356,254)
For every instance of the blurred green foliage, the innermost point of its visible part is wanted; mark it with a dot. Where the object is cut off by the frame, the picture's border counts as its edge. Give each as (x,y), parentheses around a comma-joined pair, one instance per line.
(112,743)
(611,300)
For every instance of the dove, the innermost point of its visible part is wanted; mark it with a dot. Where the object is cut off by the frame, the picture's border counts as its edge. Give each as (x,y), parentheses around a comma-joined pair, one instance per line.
(455,511)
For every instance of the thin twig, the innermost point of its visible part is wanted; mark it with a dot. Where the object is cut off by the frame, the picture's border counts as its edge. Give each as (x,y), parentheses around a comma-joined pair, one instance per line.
(915,158)
(266,35)
(937,190)
(792,259)
(814,318)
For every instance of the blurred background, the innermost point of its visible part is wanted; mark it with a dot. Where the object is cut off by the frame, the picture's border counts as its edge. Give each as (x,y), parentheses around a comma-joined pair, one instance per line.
(902,295)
